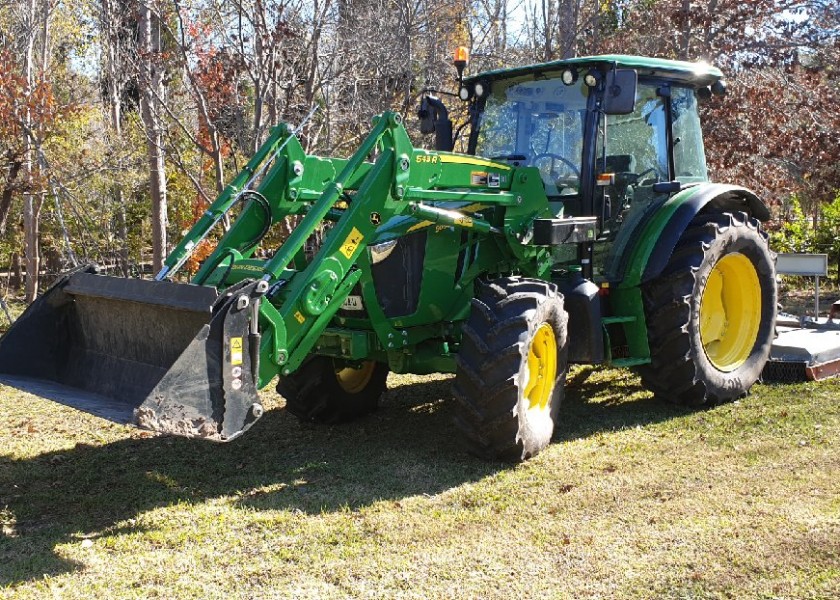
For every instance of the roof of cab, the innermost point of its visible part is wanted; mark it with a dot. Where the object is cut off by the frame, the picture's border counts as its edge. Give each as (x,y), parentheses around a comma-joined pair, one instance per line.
(694,73)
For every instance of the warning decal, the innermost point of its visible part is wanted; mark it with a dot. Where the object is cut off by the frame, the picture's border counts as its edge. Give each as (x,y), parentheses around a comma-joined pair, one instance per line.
(351,243)
(236,351)
(478,177)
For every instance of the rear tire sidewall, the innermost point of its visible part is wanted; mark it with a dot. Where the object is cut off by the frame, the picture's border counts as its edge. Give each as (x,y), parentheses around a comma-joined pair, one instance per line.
(746,240)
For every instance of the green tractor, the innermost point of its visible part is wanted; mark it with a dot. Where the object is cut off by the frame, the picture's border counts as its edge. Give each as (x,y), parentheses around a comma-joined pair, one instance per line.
(580,226)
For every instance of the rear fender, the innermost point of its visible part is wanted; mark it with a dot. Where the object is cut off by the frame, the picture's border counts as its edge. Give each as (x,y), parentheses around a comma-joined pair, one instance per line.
(652,243)
(659,235)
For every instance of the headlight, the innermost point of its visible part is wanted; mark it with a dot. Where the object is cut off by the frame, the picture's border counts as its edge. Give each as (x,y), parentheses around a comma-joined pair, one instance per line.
(569,76)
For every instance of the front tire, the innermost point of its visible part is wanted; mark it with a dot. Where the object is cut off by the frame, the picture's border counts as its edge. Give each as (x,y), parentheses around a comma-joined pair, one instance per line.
(711,313)
(324,390)
(511,368)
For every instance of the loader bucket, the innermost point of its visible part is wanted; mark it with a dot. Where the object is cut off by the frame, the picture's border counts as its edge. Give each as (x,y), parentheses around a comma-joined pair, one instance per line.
(163,356)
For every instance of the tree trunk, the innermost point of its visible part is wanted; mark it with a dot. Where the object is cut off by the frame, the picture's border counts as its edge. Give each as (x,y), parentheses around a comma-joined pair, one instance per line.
(115,94)
(685,34)
(16,269)
(31,243)
(547,11)
(30,214)
(218,160)
(151,85)
(258,79)
(568,23)
(6,198)
(111,20)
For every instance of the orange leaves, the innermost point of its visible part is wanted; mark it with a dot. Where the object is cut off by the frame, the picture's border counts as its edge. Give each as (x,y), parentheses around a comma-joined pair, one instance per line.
(217,76)
(20,104)
(204,249)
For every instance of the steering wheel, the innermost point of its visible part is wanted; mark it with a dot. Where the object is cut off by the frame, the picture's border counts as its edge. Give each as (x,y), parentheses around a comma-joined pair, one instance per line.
(555,157)
(645,172)
(635,178)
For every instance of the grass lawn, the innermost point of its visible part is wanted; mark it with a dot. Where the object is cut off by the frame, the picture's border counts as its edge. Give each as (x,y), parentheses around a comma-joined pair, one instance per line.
(635,499)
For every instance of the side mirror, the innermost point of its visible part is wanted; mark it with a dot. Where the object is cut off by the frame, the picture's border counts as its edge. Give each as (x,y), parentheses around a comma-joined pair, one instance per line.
(434,118)
(427,117)
(620,91)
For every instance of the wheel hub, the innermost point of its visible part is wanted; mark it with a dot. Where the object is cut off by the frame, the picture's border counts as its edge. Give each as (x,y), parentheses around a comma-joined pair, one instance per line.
(542,367)
(354,380)
(730,312)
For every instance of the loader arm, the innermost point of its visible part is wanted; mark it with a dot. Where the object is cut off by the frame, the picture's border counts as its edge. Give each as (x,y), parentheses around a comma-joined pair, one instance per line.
(308,300)
(279,138)
(360,197)
(402,181)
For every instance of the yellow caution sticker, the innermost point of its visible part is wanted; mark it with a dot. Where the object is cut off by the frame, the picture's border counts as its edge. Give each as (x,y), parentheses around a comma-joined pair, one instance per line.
(236,351)
(299,316)
(351,243)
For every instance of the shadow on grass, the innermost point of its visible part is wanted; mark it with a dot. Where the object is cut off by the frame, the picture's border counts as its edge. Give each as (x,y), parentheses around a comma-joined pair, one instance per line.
(597,404)
(406,448)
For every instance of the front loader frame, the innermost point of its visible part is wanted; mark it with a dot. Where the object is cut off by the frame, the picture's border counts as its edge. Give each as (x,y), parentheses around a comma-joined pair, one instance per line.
(401,190)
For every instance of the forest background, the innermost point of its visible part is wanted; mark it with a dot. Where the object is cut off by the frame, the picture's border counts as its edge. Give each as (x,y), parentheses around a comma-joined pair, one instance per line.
(120,120)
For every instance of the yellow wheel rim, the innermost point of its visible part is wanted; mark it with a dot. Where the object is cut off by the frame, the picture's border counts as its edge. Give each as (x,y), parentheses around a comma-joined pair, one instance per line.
(542,367)
(354,380)
(730,312)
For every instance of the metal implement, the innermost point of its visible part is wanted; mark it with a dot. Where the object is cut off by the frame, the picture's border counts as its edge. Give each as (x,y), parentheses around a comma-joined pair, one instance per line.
(94,342)
(805,348)
(807,354)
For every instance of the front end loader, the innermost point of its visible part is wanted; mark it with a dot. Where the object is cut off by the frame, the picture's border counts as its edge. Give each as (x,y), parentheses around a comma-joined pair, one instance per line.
(579,226)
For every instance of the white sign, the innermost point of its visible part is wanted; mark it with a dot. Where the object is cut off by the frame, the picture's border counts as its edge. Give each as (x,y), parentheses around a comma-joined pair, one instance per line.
(802,264)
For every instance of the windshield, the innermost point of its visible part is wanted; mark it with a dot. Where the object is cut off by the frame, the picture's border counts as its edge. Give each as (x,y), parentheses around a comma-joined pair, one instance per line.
(537,123)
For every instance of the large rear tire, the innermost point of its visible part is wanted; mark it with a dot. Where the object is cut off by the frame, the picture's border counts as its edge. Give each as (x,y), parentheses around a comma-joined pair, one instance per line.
(326,391)
(511,368)
(711,313)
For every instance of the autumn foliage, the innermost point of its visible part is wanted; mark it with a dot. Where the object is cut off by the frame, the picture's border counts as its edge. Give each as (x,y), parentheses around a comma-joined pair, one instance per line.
(21,104)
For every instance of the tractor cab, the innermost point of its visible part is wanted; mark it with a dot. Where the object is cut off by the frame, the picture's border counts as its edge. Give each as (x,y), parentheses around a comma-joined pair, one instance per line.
(611,136)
